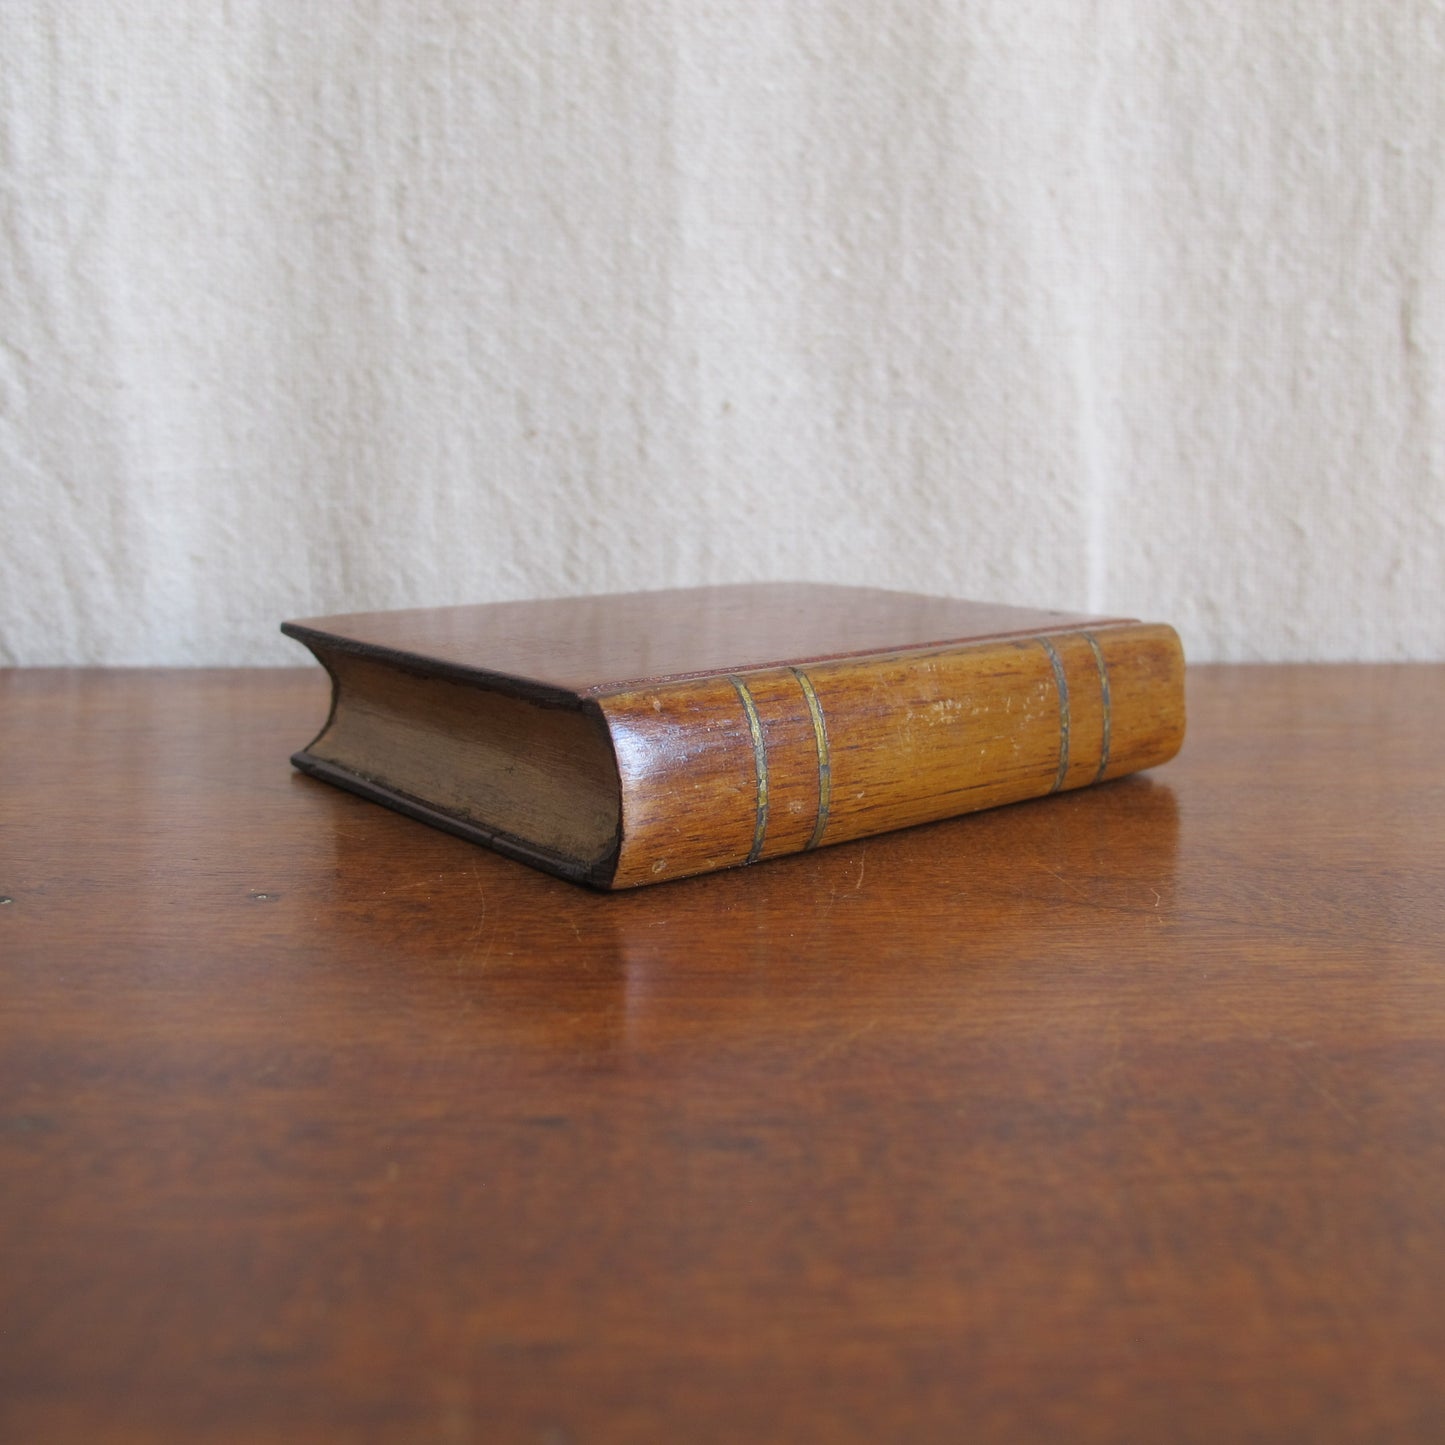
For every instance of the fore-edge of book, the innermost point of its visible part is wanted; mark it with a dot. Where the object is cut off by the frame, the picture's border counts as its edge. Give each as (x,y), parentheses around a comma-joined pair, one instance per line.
(646,736)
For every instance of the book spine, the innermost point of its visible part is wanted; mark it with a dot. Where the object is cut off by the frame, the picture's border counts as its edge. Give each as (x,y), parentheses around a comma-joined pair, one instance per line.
(727,770)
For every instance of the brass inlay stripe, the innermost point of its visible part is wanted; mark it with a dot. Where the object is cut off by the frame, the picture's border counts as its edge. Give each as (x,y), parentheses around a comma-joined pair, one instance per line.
(1104,695)
(1062,684)
(825,766)
(760,759)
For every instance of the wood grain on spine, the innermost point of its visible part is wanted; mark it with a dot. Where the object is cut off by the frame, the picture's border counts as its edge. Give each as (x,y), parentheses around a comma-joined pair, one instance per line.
(910,738)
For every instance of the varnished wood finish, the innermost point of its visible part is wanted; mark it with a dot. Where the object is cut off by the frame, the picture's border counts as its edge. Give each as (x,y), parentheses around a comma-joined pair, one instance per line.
(717,772)
(594,645)
(1115,1116)
(850,717)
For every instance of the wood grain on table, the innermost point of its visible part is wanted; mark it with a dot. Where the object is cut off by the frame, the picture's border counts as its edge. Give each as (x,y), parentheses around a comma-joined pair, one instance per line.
(1115,1116)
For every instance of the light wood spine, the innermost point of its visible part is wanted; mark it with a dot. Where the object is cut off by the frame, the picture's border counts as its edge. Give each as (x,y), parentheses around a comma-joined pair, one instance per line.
(1146,681)
(914,737)
(688,775)
(792,760)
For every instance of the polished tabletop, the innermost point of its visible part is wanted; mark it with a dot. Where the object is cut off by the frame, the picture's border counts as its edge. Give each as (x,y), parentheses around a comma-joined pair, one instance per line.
(1115,1116)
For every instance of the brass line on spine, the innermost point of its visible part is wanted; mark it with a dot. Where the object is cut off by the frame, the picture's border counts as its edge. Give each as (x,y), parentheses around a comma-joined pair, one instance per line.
(1062,684)
(1104,695)
(760,759)
(825,765)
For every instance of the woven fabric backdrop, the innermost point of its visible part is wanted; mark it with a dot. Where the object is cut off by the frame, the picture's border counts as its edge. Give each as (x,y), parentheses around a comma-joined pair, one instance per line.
(309,307)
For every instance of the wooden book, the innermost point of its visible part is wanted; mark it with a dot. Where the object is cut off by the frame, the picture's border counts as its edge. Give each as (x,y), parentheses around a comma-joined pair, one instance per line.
(636,738)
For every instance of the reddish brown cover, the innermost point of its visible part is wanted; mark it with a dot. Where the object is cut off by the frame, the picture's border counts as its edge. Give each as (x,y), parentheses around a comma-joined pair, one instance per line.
(587,646)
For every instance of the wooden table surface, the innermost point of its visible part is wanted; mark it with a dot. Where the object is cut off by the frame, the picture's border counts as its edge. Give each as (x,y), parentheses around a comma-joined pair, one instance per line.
(1118,1116)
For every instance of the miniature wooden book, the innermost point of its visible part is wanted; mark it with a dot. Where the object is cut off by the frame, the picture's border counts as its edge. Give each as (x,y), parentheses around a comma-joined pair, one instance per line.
(647,736)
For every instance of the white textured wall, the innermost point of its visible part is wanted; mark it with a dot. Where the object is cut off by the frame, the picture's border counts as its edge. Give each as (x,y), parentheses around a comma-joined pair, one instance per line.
(307,307)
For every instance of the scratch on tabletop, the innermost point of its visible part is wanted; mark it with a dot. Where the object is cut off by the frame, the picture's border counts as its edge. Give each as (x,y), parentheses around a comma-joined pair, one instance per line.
(473,938)
(1072,887)
(408,887)
(857,882)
